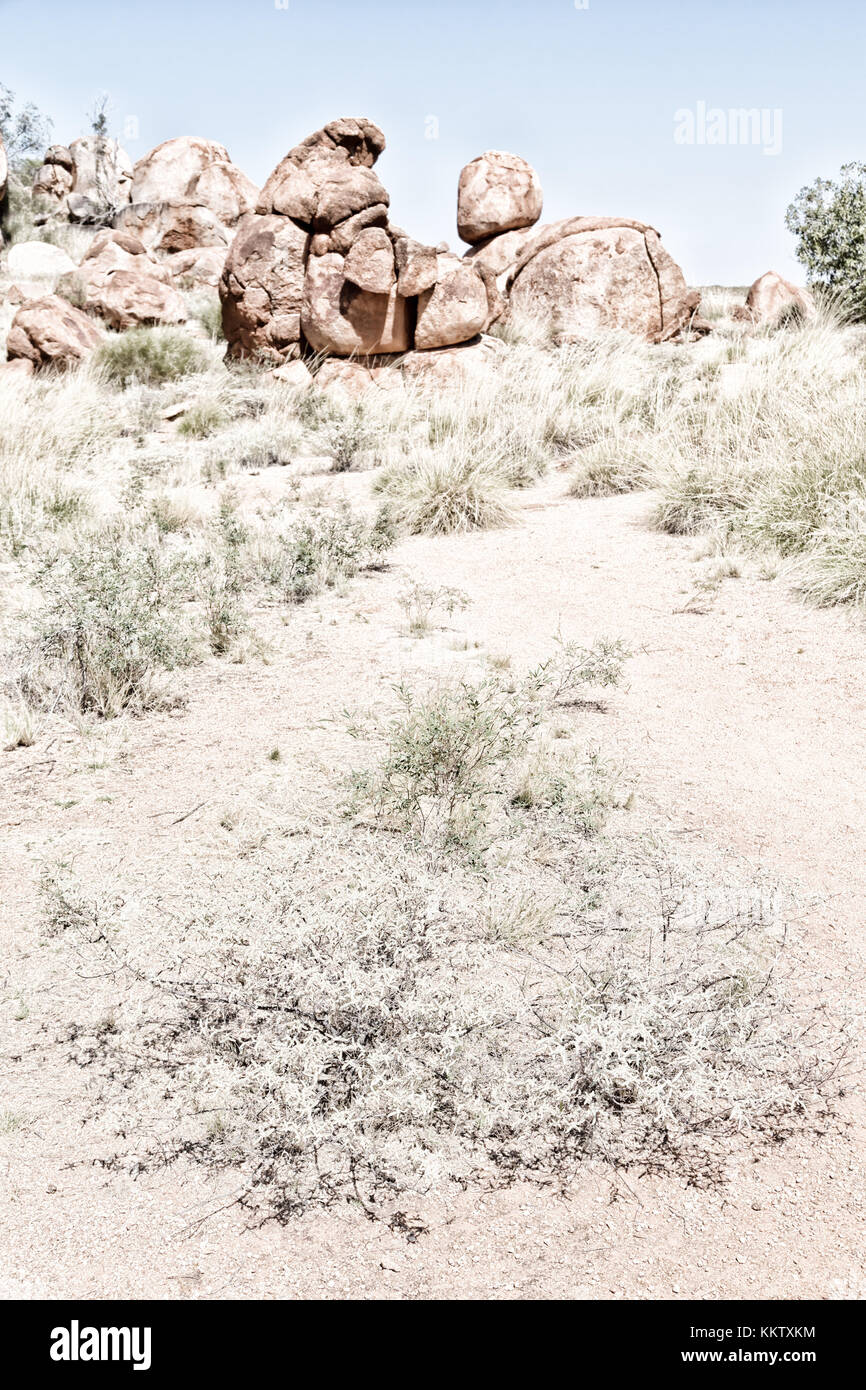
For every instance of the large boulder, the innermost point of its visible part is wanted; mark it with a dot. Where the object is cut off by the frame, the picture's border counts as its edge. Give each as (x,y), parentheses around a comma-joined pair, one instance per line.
(497,192)
(199,266)
(37,260)
(187,193)
(49,332)
(459,306)
(262,288)
(502,252)
(319,179)
(339,318)
(133,299)
(589,274)
(771,297)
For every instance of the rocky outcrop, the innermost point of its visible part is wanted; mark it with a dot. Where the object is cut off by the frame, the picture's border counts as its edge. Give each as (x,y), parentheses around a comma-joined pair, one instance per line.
(772,298)
(123,282)
(130,299)
(588,274)
(319,266)
(85,181)
(496,192)
(187,193)
(49,332)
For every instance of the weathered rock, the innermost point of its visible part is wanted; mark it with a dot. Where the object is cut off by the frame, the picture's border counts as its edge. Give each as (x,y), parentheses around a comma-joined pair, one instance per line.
(51,333)
(94,171)
(51,185)
(328,177)
(131,299)
(501,253)
(262,287)
(586,275)
(454,366)
(200,265)
(496,192)
(370,262)
(37,260)
(771,297)
(187,193)
(344,235)
(339,318)
(459,305)
(18,369)
(295,374)
(352,378)
(417,266)
(109,252)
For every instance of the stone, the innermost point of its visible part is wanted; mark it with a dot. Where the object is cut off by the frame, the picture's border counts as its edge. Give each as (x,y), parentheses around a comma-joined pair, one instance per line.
(340,319)
(132,299)
(327,177)
(197,266)
(500,253)
(456,308)
(49,332)
(586,275)
(417,266)
(37,260)
(262,287)
(453,366)
(497,192)
(771,297)
(295,374)
(370,262)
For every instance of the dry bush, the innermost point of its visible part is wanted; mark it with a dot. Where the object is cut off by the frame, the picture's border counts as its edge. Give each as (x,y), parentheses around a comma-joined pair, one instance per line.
(339,1023)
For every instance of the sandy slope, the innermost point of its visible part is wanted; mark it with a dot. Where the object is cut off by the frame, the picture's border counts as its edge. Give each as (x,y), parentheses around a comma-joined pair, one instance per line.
(746,727)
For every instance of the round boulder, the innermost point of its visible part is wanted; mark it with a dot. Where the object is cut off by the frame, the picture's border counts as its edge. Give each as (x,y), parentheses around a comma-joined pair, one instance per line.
(496,193)
(586,275)
(49,332)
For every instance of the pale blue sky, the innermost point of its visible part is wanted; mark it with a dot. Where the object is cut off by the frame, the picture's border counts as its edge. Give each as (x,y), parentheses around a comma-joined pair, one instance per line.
(589,96)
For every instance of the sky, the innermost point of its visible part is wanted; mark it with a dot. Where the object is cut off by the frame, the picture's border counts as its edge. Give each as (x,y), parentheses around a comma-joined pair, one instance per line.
(621,105)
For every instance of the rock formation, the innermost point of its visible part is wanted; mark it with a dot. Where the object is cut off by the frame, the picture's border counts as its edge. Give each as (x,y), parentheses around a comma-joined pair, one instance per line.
(587,274)
(496,193)
(186,193)
(319,266)
(84,181)
(50,332)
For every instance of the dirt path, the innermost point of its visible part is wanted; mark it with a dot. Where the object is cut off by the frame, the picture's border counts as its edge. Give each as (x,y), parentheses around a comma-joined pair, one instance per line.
(746,728)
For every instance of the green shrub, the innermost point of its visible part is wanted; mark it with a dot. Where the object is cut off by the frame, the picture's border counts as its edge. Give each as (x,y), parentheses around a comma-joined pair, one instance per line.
(113,623)
(150,356)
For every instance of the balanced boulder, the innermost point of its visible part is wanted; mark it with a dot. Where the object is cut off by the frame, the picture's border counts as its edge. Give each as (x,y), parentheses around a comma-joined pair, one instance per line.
(50,332)
(588,274)
(497,192)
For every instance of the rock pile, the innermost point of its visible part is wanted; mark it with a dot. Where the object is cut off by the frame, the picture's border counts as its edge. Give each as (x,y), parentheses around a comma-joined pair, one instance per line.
(83,181)
(319,265)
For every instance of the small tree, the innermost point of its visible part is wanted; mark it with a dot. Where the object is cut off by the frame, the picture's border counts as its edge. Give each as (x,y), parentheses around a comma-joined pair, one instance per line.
(829,221)
(26,133)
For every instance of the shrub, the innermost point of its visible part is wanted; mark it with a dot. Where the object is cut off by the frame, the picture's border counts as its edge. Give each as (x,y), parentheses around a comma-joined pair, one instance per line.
(113,622)
(829,221)
(150,356)
(445,491)
(372,1036)
(202,419)
(315,549)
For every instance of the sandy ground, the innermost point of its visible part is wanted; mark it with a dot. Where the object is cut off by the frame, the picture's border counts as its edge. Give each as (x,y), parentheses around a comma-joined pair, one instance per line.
(746,728)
